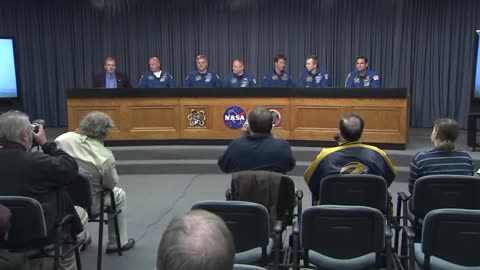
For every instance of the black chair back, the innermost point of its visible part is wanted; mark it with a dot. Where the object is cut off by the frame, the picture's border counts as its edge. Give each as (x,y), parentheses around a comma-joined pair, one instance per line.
(28,229)
(444,191)
(248,222)
(452,235)
(80,191)
(342,232)
(262,193)
(354,189)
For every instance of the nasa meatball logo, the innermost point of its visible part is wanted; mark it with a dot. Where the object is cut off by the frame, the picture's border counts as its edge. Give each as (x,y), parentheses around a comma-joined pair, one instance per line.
(277,117)
(234,117)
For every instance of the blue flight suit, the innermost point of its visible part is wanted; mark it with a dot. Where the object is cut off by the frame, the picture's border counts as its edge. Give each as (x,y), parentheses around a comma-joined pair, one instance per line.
(317,79)
(371,79)
(273,79)
(149,80)
(245,80)
(208,79)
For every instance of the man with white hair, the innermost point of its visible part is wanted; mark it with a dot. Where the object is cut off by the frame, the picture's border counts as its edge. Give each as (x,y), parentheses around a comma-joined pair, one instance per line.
(38,175)
(93,157)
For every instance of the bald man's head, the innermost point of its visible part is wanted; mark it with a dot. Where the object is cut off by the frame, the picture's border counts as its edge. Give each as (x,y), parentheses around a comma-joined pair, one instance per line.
(351,127)
(154,64)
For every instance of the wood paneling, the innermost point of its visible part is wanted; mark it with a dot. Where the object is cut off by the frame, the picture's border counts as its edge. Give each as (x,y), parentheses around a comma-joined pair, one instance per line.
(312,118)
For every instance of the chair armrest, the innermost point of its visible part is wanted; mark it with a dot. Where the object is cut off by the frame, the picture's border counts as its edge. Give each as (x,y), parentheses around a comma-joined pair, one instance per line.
(388,231)
(299,195)
(404,197)
(409,232)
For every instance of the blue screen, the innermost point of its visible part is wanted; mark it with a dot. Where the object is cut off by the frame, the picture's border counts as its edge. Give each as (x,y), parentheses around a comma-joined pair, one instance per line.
(477,73)
(8,75)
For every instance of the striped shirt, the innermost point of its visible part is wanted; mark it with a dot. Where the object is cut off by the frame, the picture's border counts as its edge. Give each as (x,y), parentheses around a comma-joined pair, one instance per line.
(439,161)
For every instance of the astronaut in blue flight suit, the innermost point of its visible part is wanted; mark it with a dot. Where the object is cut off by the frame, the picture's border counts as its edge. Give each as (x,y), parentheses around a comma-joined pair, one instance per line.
(202,76)
(240,78)
(278,77)
(313,75)
(362,77)
(155,77)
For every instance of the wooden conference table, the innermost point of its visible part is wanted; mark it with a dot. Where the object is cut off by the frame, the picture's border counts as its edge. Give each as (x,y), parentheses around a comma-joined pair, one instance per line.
(217,113)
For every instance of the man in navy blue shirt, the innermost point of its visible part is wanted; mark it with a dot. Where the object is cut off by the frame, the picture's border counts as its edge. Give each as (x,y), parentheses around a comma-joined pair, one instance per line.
(202,76)
(258,150)
(155,77)
(362,77)
(278,77)
(313,75)
(240,78)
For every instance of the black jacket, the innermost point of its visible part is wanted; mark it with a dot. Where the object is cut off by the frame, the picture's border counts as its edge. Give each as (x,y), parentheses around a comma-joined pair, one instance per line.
(39,175)
(122,80)
(260,152)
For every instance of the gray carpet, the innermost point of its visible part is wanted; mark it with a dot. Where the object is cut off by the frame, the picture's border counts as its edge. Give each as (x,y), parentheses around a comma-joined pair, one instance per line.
(153,200)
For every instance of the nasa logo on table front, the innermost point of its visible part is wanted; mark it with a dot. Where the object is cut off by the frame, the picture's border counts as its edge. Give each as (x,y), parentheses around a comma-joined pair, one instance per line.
(277,117)
(234,117)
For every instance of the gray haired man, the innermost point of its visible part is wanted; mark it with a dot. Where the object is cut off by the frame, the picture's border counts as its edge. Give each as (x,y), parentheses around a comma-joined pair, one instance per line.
(198,240)
(87,148)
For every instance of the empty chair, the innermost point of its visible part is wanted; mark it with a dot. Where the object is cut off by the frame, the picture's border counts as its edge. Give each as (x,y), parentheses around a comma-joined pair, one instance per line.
(355,189)
(450,240)
(436,192)
(28,232)
(250,227)
(344,237)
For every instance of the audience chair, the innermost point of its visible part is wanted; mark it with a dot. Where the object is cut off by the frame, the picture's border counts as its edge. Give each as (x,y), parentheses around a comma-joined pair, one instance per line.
(81,194)
(431,193)
(450,240)
(28,233)
(344,237)
(356,189)
(278,198)
(250,226)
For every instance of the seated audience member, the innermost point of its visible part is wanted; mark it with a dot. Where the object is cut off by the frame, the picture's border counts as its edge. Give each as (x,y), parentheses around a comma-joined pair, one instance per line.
(199,240)
(38,175)
(93,157)
(111,78)
(203,76)
(278,76)
(258,149)
(443,158)
(155,77)
(362,77)
(239,77)
(350,157)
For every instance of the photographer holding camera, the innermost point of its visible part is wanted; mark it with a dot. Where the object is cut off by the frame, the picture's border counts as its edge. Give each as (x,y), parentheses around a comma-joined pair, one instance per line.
(38,175)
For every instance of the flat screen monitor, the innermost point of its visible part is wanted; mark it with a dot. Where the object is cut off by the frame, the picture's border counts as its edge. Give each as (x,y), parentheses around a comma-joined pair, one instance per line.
(8,71)
(476,86)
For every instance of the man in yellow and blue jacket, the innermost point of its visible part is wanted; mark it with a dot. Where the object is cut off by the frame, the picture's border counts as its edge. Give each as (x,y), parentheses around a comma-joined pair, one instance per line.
(350,157)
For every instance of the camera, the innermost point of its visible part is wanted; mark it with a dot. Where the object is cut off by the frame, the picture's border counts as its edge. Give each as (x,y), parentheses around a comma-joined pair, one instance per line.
(36,127)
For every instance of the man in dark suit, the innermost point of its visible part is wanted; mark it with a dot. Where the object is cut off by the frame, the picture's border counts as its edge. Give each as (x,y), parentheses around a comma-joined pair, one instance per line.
(111,78)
